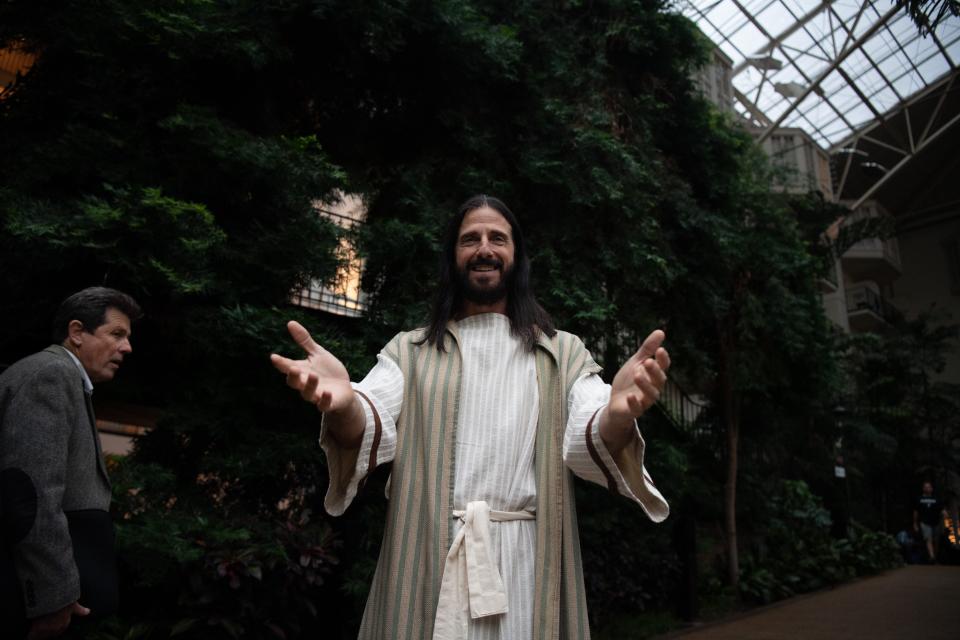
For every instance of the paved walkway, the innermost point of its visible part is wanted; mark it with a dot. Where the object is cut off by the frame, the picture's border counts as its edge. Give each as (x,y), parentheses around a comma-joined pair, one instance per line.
(913,602)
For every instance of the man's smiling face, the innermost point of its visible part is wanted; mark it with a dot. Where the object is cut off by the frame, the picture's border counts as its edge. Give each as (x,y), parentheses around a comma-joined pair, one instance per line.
(484,255)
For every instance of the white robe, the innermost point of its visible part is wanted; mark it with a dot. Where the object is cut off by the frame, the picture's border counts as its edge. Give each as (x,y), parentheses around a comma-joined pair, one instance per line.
(496,431)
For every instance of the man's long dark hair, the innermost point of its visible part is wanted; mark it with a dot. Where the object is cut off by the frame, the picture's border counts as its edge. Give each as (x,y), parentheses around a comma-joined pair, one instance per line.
(527,317)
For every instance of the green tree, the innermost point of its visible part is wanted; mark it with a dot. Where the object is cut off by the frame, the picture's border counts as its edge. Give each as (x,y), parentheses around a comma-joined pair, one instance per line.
(929,14)
(749,265)
(175,149)
(155,147)
(903,420)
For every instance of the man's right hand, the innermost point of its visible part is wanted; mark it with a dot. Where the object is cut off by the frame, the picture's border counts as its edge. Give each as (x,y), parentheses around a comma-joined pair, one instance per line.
(54,624)
(321,378)
(323,381)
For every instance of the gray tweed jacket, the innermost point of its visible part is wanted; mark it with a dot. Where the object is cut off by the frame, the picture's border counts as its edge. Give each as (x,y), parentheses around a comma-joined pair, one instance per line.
(54,487)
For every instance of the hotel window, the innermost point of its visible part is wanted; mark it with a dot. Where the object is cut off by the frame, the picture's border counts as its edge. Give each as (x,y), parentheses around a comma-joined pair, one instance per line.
(342,296)
(14,63)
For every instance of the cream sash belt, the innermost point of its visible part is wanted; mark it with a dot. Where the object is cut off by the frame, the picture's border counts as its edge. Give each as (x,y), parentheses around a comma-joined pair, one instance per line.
(471,581)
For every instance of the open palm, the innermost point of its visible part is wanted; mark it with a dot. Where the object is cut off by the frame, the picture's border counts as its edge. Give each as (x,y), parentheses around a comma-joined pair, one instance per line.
(320,378)
(640,380)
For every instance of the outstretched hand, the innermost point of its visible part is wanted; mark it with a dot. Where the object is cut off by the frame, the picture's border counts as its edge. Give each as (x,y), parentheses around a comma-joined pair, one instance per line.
(321,378)
(636,387)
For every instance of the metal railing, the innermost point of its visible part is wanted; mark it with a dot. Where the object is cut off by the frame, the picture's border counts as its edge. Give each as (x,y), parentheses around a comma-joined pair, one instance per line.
(831,276)
(887,247)
(682,409)
(863,298)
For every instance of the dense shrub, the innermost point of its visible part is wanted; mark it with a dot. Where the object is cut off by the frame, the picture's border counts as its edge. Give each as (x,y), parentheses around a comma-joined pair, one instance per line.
(197,565)
(795,552)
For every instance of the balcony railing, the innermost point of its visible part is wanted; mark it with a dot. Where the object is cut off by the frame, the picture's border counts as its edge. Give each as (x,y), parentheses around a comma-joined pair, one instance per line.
(681,408)
(342,296)
(887,249)
(829,282)
(876,254)
(862,298)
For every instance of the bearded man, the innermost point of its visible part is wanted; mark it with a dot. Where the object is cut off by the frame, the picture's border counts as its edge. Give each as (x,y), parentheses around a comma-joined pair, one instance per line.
(483,414)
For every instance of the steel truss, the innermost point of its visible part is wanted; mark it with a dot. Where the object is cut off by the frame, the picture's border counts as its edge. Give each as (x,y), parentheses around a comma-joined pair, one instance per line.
(856,75)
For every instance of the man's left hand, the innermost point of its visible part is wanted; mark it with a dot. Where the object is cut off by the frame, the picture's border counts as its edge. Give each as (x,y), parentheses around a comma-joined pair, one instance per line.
(636,387)
(56,623)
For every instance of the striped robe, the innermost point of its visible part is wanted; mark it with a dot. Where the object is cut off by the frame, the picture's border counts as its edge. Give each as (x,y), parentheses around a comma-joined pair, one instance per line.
(419,527)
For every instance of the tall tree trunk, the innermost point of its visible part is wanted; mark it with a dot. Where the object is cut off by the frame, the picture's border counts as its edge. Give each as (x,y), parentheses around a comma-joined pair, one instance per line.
(727,376)
(732,426)
(731,423)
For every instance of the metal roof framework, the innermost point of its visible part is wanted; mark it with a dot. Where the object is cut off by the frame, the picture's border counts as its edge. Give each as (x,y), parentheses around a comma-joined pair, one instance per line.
(841,70)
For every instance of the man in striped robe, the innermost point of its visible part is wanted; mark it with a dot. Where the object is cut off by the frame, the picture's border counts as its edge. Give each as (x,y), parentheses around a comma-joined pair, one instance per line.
(483,414)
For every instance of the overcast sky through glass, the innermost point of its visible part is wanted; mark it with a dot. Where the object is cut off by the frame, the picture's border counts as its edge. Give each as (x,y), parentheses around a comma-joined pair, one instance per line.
(780,48)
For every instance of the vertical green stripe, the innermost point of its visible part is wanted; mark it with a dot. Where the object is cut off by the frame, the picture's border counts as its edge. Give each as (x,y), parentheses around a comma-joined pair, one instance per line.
(414,426)
(446,460)
(430,431)
(577,600)
(375,613)
(547,457)
(406,438)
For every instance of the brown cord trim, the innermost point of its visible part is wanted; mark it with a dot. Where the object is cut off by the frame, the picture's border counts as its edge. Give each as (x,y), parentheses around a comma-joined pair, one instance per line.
(597,460)
(377,432)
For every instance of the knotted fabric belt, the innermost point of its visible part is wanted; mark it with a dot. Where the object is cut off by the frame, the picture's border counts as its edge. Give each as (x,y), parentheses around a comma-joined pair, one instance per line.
(471,586)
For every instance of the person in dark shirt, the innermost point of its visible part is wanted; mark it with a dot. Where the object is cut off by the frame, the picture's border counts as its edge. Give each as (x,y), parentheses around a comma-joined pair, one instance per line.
(927,516)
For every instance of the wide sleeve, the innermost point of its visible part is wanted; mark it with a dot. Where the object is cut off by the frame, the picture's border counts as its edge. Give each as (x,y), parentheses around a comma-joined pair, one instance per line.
(34,451)
(381,395)
(585,453)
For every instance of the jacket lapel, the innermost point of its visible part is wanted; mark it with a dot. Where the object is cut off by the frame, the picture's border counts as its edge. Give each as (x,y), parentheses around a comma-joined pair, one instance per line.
(60,352)
(101,464)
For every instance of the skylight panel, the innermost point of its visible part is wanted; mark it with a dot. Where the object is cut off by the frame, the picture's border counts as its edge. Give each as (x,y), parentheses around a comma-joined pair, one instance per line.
(912,79)
(870,82)
(775,18)
(748,39)
(856,64)
(732,52)
(884,99)
(953,49)
(891,59)
(933,67)
(809,103)
(726,17)
(902,28)
(832,126)
(847,10)
(818,29)
(905,83)
(860,116)
(919,49)
(800,40)
(797,6)
(948,31)
(755,7)
(894,63)
(832,84)
(845,99)
(922,49)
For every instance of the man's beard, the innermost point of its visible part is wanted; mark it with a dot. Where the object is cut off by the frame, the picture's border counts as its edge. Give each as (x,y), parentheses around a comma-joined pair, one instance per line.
(485,296)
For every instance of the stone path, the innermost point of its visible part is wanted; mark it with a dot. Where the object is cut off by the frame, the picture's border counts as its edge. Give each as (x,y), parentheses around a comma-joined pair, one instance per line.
(920,602)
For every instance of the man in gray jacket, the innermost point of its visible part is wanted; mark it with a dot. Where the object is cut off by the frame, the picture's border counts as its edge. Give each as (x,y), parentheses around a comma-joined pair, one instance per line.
(57,536)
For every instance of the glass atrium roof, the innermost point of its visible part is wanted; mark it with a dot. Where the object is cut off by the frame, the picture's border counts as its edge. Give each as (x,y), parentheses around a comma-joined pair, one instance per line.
(828,67)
